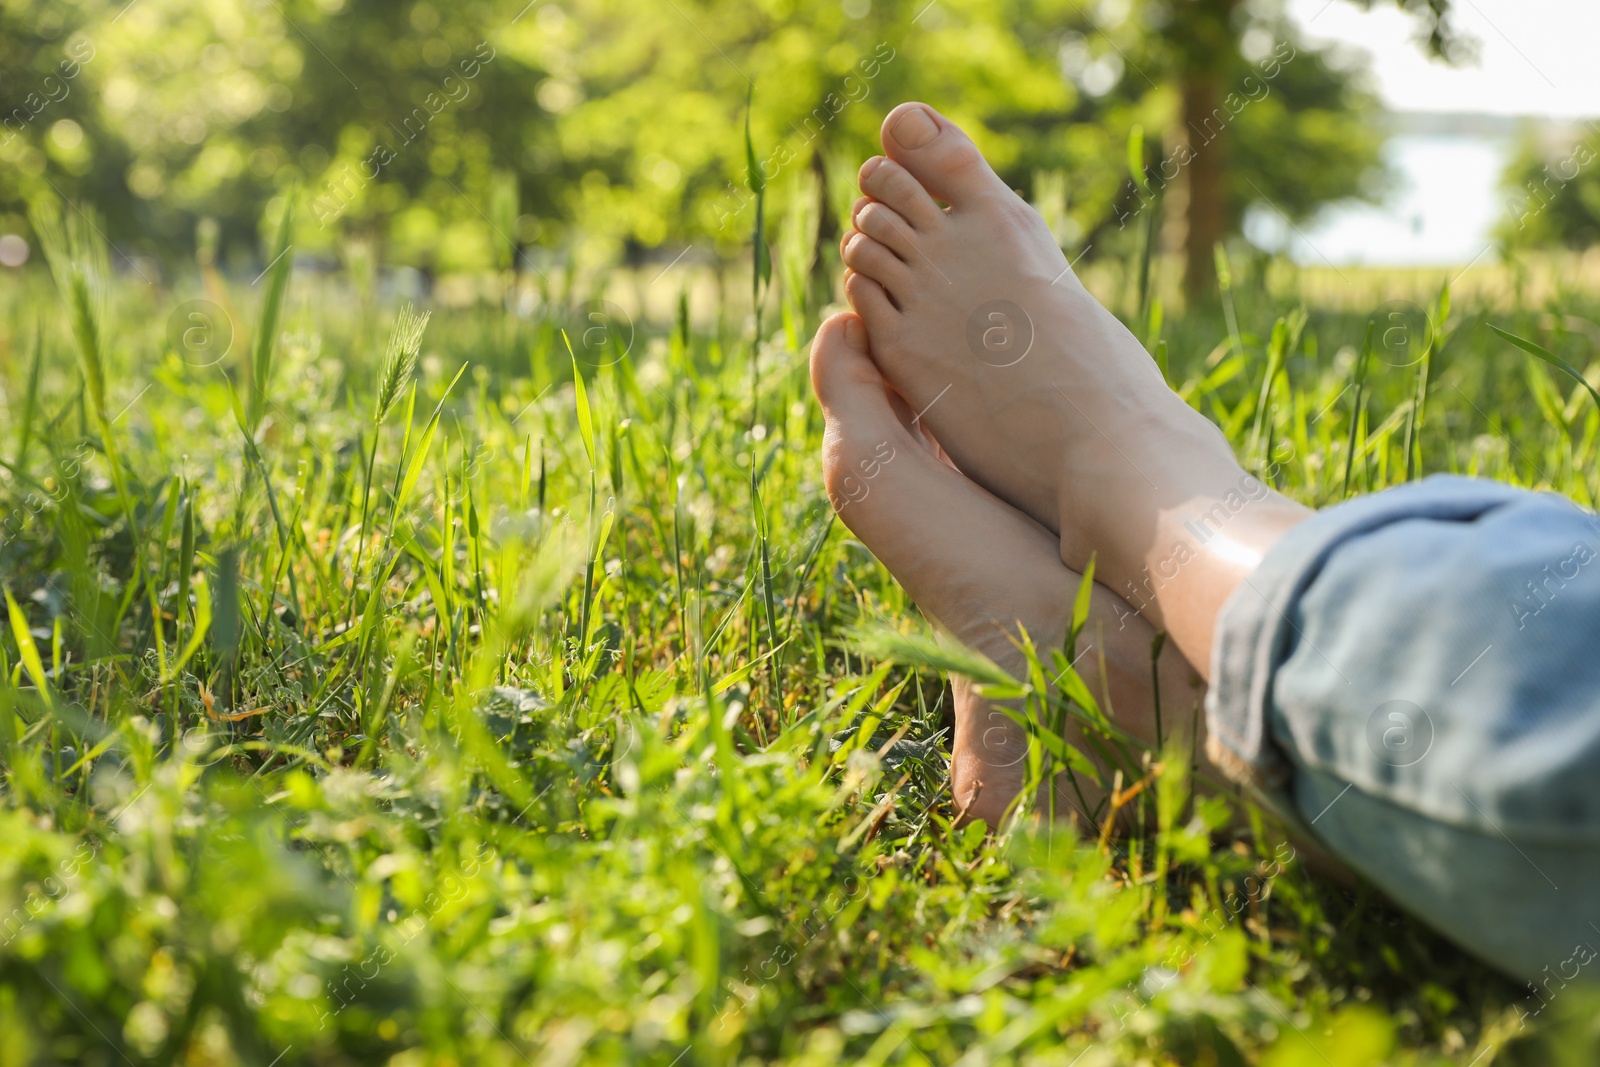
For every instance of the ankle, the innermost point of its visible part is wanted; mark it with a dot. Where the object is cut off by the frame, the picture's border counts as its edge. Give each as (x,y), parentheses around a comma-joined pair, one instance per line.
(1134,470)
(1192,556)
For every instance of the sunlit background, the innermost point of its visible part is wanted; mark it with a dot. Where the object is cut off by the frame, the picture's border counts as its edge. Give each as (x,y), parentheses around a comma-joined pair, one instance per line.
(1530,85)
(457,140)
(429,637)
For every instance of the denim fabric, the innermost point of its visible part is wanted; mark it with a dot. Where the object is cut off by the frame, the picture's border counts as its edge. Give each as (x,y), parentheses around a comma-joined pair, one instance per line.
(1417,673)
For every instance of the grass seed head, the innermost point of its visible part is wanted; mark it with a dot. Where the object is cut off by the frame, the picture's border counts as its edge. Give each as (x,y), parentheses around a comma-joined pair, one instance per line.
(399,360)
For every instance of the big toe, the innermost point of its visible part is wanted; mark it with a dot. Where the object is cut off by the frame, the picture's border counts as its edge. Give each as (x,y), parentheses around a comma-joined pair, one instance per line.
(939,155)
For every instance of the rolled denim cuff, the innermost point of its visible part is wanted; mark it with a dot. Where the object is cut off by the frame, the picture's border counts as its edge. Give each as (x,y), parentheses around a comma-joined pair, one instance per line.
(1260,622)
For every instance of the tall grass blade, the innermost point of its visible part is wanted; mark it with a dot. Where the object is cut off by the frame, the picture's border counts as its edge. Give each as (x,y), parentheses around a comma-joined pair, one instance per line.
(399,363)
(227,623)
(266,341)
(921,649)
(78,264)
(414,464)
(756,180)
(581,402)
(1357,408)
(1152,218)
(28,650)
(202,625)
(761,270)
(1540,352)
(186,549)
(30,402)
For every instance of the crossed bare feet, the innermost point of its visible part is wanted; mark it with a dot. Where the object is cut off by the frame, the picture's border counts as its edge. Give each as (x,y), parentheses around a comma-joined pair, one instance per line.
(1062,440)
(977,566)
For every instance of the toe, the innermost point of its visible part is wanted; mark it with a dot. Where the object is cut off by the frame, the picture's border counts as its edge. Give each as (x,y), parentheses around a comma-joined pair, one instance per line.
(865,256)
(888,182)
(842,372)
(935,152)
(884,225)
(868,426)
(872,303)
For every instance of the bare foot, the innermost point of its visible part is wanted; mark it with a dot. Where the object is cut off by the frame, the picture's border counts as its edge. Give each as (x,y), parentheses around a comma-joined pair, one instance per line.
(1037,391)
(973,564)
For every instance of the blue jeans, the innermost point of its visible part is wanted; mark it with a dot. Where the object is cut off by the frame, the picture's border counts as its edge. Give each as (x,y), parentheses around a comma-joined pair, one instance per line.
(1415,676)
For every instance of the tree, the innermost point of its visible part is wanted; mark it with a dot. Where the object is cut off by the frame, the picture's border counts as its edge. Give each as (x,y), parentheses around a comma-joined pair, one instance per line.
(448,134)
(1043,87)
(1553,194)
(1205,46)
(51,128)
(1247,115)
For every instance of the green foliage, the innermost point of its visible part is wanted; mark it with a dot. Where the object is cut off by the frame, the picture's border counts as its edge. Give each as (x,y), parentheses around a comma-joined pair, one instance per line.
(266,339)
(1553,196)
(566,724)
(493,134)
(569,723)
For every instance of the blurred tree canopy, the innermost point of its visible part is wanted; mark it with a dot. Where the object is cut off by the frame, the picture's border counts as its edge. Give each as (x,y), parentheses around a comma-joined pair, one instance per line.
(451,135)
(1553,194)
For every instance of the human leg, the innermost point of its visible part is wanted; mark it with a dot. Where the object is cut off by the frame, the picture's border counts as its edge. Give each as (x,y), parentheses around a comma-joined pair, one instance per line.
(1039,393)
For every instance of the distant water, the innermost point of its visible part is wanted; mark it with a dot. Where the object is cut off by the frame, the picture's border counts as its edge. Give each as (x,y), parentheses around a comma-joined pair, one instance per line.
(1441,212)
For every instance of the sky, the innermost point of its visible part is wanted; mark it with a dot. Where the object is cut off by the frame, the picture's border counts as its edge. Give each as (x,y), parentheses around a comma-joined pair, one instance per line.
(1535,58)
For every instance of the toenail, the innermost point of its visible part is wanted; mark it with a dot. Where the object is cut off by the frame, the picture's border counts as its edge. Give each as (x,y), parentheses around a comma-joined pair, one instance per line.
(869,166)
(914,129)
(855,334)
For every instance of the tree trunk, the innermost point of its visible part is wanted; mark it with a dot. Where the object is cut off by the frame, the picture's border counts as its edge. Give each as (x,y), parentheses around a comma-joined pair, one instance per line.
(1206,125)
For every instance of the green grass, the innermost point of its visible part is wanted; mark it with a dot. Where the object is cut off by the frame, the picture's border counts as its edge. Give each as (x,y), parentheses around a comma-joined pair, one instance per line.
(364,703)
